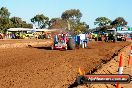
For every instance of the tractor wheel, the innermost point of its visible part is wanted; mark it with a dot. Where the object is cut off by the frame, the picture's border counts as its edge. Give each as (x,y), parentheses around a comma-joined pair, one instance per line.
(71,44)
(66,48)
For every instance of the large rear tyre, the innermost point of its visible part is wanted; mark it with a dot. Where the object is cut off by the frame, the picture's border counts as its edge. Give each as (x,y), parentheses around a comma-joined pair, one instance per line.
(66,48)
(71,44)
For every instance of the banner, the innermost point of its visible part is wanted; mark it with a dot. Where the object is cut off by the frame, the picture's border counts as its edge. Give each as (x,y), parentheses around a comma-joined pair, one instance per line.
(124,28)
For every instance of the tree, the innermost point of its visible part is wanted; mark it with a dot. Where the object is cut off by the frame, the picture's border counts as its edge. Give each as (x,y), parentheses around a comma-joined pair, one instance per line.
(74,25)
(4,13)
(18,22)
(4,19)
(57,23)
(71,16)
(5,23)
(81,27)
(25,25)
(41,20)
(102,21)
(119,21)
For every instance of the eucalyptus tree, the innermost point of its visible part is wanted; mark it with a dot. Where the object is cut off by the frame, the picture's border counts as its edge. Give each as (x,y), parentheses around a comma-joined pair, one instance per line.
(102,21)
(119,21)
(72,17)
(41,20)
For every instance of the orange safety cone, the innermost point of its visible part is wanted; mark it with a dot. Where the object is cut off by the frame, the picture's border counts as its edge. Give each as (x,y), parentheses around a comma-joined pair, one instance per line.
(131,49)
(129,61)
(121,65)
(81,72)
(118,85)
(130,57)
(120,69)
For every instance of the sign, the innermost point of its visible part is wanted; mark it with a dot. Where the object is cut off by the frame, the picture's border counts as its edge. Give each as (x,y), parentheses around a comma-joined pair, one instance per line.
(124,28)
(104,78)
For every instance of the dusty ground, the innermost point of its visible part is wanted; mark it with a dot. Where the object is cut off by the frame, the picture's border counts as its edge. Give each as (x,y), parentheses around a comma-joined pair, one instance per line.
(40,67)
(5,41)
(19,43)
(13,41)
(112,68)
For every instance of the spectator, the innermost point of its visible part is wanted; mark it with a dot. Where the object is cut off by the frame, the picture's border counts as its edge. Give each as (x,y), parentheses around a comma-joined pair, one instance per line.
(13,36)
(1,37)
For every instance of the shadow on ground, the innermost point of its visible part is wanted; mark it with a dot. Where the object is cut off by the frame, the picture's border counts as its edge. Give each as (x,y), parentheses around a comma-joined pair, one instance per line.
(49,48)
(45,48)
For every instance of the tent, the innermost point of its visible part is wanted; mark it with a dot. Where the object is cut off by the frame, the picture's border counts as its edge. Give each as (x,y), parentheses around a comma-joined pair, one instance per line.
(32,30)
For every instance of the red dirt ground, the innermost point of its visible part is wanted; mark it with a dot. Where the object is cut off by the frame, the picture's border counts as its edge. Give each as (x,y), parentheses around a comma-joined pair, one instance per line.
(40,67)
(12,41)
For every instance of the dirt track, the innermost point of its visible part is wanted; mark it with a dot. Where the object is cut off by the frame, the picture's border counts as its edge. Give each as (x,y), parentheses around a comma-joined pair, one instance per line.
(111,67)
(12,41)
(19,43)
(42,68)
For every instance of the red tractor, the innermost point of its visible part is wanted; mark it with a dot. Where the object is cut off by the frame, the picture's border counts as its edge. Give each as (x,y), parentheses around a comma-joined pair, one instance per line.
(63,41)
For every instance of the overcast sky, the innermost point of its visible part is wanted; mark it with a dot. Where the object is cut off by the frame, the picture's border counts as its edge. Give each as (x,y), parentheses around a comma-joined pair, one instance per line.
(91,9)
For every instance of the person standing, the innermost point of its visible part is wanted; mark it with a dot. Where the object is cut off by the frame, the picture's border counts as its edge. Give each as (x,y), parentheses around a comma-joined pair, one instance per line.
(107,36)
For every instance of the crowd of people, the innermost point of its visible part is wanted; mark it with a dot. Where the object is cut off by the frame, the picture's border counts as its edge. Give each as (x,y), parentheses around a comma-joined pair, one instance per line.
(101,37)
(108,37)
(7,36)
(19,35)
(42,35)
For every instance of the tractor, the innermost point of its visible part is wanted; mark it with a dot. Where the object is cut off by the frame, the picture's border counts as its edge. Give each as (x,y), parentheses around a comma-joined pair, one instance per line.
(63,41)
(66,41)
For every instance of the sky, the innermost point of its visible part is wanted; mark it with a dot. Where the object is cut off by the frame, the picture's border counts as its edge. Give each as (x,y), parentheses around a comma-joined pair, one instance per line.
(91,9)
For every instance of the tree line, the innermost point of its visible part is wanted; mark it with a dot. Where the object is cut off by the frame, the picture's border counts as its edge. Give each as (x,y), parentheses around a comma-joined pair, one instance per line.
(70,20)
(11,22)
(105,23)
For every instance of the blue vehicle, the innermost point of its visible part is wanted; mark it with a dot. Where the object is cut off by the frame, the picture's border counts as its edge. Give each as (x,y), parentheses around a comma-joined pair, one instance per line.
(81,40)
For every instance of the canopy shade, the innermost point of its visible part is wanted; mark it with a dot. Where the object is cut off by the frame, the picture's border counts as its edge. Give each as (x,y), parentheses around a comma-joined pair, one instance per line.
(33,30)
